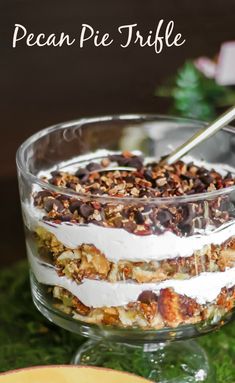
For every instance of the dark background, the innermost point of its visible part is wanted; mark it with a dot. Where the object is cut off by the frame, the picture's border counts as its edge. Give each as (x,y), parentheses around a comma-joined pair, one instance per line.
(42,86)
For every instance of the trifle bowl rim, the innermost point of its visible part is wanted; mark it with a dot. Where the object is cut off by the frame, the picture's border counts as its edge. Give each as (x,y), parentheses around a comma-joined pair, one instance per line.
(82,122)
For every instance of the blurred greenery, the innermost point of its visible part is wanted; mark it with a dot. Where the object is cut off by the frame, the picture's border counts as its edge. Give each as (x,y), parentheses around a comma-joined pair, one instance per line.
(28,339)
(194,95)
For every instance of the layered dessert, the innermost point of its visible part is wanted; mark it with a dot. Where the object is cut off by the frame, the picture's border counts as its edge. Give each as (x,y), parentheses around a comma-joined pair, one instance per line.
(123,240)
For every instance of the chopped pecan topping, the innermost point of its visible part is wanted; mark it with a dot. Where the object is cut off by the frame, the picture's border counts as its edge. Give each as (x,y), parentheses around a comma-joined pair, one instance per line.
(127,175)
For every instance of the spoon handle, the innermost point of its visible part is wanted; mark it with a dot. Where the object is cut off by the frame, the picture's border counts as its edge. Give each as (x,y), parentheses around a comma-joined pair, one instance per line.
(201,136)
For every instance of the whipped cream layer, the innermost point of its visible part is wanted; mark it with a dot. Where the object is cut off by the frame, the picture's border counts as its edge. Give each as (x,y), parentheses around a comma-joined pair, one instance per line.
(94,293)
(118,244)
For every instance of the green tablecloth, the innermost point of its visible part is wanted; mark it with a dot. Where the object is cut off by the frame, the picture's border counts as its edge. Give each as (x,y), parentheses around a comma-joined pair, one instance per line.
(28,339)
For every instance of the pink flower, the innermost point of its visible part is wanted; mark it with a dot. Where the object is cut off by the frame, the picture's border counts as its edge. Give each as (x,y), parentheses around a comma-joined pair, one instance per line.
(223,71)
(206,66)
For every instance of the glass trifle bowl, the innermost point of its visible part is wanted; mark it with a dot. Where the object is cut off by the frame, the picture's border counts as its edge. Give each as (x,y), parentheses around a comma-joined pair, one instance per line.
(136,255)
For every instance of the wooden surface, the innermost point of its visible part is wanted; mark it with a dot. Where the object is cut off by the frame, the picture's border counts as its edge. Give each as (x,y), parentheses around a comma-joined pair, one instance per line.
(41,86)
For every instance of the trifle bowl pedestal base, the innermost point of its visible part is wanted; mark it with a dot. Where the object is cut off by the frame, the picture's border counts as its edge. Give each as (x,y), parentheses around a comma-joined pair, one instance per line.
(169,362)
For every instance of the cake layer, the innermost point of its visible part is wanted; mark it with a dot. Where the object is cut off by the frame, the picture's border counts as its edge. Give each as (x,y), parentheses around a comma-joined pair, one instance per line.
(169,309)
(87,261)
(93,293)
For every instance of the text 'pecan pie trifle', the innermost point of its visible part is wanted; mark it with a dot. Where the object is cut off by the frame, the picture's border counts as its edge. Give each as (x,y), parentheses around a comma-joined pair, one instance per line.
(113,255)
